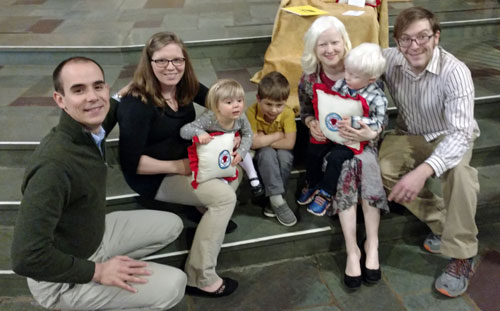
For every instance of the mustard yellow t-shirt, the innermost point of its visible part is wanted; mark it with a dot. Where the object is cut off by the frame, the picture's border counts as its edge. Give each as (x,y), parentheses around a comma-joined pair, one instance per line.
(284,122)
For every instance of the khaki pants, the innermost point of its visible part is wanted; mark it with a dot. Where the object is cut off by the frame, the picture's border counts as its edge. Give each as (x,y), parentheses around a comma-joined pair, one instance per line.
(452,216)
(134,234)
(219,198)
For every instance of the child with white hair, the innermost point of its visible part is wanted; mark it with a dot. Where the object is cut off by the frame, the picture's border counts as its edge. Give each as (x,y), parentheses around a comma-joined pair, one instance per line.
(363,67)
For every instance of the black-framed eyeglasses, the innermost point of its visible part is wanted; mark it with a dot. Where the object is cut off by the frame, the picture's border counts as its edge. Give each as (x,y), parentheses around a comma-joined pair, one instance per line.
(163,62)
(406,41)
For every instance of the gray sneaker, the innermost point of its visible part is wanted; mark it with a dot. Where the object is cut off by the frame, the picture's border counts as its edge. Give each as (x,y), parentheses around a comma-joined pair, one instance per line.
(432,243)
(284,215)
(269,212)
(454,280)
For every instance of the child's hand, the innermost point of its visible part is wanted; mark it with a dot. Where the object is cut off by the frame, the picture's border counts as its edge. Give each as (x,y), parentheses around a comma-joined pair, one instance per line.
(237,141)
(205,138)
(278,136)
(236,158)
(344,123)
(357,135)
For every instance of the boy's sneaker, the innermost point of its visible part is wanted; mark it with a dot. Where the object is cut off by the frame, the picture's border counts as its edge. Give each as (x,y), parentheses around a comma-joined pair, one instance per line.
(320,203)
(454,280)
(284,215)
(306,195)
(268,211)
(432,243)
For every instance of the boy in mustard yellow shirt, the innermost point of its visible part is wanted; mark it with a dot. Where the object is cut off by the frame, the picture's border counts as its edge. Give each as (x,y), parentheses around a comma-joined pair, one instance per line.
(274,129)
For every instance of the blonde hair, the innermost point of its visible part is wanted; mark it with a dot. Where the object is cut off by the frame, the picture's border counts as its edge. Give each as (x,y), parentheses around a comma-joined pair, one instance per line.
(309,59)
(145,85)
(366,59)
(221,90)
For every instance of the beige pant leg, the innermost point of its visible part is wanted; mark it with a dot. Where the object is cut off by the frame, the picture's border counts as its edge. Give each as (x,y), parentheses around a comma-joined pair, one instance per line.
(131,233)
(219,198)
(460,189)
(398,155)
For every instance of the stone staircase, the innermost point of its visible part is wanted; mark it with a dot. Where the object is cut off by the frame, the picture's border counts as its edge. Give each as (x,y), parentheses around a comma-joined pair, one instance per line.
(258,239)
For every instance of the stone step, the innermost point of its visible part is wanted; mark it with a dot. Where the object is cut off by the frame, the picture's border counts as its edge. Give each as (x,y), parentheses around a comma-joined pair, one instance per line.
(259,239)
(16,154)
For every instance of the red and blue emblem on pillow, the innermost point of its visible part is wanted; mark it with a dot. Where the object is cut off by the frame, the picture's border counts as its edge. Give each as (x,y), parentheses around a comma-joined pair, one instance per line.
(224,159)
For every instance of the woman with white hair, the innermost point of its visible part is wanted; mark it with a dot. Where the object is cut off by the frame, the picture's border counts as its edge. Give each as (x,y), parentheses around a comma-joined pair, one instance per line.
(326,45)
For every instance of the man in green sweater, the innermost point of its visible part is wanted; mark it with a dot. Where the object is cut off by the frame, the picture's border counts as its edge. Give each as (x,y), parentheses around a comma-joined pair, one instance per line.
(74,255)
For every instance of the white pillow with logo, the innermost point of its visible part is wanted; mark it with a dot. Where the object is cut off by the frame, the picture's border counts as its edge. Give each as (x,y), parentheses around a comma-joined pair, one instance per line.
(212,160)
(330,107)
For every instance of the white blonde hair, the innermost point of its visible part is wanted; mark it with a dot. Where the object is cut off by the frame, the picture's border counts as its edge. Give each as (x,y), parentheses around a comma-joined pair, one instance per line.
(367,59)
(221,90)
(309,59)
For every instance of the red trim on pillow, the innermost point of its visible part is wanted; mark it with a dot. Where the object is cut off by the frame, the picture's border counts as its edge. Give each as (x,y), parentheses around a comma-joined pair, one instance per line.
(364,105)
(193,159)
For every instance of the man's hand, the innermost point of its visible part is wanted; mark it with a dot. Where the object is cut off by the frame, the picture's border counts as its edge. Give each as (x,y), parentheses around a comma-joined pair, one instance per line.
(408,187)
(119,271)
(205,138)
(315,130)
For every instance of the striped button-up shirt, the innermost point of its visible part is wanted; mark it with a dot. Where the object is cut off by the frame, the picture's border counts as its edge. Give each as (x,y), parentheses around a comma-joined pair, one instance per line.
(438,101)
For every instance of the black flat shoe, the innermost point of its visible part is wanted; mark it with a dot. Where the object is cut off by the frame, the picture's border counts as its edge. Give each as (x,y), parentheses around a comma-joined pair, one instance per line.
(257,191)
(227,288)
(353,282)
(231,226)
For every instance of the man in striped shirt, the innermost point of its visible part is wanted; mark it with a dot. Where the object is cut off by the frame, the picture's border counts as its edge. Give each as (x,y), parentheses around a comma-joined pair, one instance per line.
(434,136)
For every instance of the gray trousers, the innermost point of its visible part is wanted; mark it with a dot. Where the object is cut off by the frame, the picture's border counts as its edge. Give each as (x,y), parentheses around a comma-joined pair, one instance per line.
(219,198)
(274,166)
(134,234)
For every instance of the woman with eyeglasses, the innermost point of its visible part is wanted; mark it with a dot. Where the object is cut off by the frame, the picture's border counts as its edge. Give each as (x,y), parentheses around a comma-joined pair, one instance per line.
(154,159)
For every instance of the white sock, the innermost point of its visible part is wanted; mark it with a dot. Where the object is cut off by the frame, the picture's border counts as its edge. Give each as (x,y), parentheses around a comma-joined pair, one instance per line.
(247,165)
(276,200)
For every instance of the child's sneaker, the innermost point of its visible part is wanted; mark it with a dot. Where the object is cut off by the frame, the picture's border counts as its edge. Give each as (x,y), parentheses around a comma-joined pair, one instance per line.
(284,215)
(320,203)
(454,280)
(306,195)
(268,211)
(258,190)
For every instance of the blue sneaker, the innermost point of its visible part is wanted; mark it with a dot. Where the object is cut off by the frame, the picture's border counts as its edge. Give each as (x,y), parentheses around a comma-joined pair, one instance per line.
(320,203)
(306,195)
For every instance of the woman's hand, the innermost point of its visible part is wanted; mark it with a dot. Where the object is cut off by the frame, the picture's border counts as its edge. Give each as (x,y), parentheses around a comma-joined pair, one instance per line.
(355,135)
(183,167)
(205,138)
(315,130)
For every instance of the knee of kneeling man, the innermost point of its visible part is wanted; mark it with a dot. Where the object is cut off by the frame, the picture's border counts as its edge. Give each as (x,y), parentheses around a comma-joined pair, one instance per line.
(173,289)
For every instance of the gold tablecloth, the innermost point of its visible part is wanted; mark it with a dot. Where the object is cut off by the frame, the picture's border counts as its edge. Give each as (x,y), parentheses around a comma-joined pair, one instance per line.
(285,50)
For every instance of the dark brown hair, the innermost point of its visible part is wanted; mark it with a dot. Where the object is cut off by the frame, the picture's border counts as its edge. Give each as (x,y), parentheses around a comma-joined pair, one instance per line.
(406,17)
(56,75)
(145,84)
(273,86)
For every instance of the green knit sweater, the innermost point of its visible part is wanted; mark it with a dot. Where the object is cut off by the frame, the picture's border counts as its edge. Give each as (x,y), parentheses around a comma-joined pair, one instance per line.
(61,218)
